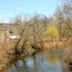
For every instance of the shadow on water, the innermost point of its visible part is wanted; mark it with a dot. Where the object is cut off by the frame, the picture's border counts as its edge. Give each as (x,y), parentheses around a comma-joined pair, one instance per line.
(37,63)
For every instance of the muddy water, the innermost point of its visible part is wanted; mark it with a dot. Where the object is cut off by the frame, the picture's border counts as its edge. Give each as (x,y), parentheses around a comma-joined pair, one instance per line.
(39,63)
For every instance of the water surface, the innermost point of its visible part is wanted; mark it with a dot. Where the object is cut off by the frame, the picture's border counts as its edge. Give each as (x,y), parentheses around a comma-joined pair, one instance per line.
(39,63)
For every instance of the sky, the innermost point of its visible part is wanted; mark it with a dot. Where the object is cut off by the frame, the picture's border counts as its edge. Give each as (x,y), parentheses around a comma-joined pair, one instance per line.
(11,8)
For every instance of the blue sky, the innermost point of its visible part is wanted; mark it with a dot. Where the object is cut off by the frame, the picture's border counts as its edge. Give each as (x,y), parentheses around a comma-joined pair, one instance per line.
(11,8)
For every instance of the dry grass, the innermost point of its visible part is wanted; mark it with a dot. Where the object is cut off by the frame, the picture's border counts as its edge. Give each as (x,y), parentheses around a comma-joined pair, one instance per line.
(5,49)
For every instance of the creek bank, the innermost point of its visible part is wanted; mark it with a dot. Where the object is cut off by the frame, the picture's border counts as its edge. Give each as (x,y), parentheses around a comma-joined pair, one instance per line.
(11,56)
(8,53)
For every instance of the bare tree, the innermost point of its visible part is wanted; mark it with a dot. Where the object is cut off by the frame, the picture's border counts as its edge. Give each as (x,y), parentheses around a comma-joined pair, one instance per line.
(64,18)
(31,33)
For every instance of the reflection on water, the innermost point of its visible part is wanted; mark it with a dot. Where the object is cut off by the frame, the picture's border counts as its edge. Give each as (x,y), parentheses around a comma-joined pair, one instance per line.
(38,63)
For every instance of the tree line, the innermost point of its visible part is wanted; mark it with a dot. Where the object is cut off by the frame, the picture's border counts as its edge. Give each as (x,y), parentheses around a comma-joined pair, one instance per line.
(38,28)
